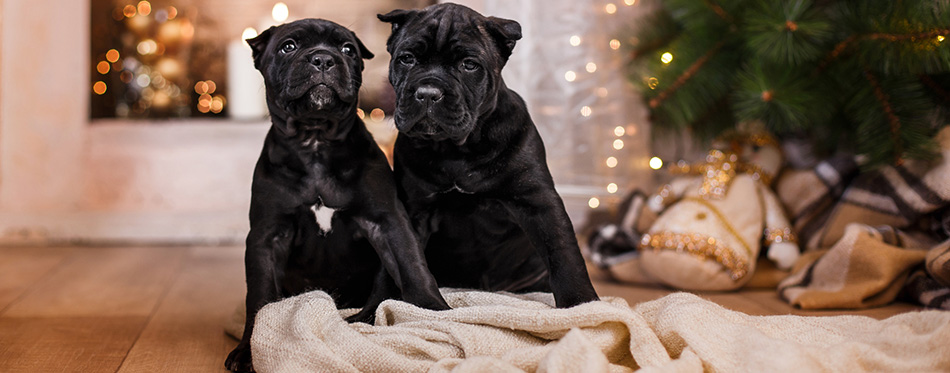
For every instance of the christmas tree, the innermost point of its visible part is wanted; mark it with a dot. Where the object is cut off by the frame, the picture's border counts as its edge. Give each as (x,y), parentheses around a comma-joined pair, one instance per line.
(870,77)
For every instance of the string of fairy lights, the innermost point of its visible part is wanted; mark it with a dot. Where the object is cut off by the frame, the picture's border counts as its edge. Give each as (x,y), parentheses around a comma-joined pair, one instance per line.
(619,132)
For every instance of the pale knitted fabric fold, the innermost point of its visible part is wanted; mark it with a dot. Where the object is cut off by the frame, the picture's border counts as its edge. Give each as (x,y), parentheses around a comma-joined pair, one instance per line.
(501,332)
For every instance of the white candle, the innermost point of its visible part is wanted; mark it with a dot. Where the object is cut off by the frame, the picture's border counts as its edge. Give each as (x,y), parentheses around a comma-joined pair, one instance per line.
(245,85)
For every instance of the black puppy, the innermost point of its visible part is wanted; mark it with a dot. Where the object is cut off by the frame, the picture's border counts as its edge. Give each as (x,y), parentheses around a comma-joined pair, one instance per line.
(324,210)
(469,161)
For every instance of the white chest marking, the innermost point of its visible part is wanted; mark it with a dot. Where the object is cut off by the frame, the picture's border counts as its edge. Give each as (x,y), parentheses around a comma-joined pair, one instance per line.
(323,216)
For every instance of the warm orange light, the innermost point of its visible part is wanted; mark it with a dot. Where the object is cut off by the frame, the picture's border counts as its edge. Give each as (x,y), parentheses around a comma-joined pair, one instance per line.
(217,104)
(112,55)
(172,12)
(144,8)
(201,87)
(211,86)
(360,113)
(614,44)
(377,115)
(103,67)
(129,11)
(99,87)
(187,30)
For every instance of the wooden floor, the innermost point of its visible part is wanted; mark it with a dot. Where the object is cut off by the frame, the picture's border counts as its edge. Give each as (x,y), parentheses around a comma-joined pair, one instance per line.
(133,309)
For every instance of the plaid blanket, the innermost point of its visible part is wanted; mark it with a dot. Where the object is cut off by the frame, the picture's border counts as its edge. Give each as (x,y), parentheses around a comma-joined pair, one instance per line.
(872,237)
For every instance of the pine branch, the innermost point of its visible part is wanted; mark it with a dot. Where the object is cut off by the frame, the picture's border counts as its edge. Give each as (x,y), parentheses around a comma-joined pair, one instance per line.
(892,118)
(840,47)
(720,11)
(683,78)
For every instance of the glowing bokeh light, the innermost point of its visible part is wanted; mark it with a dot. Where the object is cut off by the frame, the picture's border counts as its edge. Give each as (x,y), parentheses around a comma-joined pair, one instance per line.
(591,67)
(619,131)
(612,188)
(610,8)
(618,144)
(586,111)
(666,57)
(144,8)
(112,55)
(99,87)
(593,202)
(570,76)
(614,44)
(377,115)
(612,162)
(656,163)
(575,40)
(280,13)
(103,67)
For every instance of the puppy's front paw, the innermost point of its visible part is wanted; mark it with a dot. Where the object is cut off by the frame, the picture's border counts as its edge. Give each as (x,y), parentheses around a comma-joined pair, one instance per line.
(365,315)
(239,360)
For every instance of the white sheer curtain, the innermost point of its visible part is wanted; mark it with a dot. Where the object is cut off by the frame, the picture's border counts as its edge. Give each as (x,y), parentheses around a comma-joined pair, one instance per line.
(577,91)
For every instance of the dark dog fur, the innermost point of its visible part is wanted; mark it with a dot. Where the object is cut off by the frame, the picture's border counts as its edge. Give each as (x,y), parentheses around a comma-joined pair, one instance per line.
(469,162)
(324,209)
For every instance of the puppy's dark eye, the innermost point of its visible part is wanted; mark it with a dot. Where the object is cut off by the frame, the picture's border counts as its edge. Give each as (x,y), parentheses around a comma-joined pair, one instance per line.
(348,50)
(288,46)
(470,65)
(407,59)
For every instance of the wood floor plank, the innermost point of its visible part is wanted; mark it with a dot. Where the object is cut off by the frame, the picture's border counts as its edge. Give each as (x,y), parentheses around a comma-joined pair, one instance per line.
(23,267)
(188,325)
(633,294)
(66,344)
(115,281)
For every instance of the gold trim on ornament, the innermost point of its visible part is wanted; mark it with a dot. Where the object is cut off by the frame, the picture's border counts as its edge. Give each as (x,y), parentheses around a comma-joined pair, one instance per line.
(718,171)
(773,235)
(699,245)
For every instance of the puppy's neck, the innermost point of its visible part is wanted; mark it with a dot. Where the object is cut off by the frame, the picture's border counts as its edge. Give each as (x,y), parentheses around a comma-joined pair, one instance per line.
(308,134)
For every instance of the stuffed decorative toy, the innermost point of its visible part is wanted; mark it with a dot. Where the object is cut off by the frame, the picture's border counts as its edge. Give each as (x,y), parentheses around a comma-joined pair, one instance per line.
(713,220)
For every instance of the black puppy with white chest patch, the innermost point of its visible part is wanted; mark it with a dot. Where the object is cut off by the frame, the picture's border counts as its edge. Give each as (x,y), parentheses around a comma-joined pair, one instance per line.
(324,209)
(470,163)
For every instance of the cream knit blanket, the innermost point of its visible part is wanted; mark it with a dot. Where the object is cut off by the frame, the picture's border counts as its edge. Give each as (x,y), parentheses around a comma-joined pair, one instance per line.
(500,332)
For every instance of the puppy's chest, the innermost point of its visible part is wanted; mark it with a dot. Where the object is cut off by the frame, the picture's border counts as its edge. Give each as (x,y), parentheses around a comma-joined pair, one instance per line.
(323,216)
(324,198)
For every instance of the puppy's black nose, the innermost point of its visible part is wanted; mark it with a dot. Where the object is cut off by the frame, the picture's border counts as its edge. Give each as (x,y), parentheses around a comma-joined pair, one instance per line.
(428,94)
(322,62)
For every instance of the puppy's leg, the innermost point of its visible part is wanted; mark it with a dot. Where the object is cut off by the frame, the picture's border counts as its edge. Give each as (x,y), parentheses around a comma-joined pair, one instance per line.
(402,256)
(268,247)
(541,214)
(383,288)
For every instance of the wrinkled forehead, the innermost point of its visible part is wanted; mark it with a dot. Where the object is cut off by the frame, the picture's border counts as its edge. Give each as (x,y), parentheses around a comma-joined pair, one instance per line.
(312,32)
(442,30)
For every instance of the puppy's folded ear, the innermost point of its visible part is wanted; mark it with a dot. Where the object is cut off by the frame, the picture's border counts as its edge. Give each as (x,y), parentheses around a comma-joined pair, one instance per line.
(397,18)
(259,45)
(506,32)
